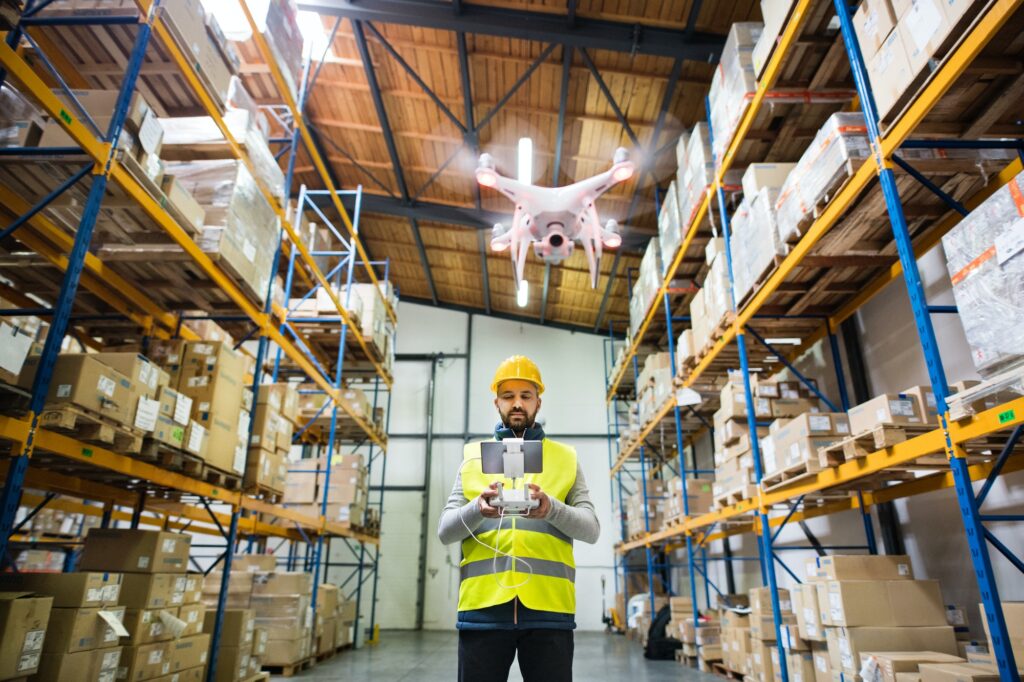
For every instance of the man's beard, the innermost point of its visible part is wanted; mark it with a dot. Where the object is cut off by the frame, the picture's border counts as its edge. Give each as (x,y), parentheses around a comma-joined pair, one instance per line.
(526,423)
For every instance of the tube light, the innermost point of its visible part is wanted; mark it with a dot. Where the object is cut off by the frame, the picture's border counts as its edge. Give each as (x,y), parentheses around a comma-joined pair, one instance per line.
(523,294)
(788,341)
(525,174)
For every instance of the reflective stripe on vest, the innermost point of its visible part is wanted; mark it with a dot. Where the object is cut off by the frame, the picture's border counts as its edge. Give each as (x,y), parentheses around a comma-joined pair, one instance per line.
(489,578)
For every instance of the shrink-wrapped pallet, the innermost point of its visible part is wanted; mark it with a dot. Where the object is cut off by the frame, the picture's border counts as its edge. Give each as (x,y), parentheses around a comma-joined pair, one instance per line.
(734,83)
(985,257)
(755,240)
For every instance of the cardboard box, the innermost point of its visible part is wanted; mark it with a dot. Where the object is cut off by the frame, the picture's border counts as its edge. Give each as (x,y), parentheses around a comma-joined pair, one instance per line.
(808,617)
(236,629)
(144,662)
(282,583)
(890,72)
(152,590)
(924,396)
(958,672)
(85,382)
(232,664)
(286,651)
(193,616)
(884,410)
(213,375)
(891,663)
(68,590)
(885,602)
(191,675)
(96,665)
(135,551)
(193,593)
(926,31)
(822,662)
(793,407)
(259,641)
(800,665)
(189,652)
(183,201)
(23,620)
(864,567)
(1013,613)
(254,562)
(82,629)
(846,644)
(758,175)
(196,439)
(342,633)
(266,470)
(239,583)
(265,425)
(149,625)
(873,21)
(147,376)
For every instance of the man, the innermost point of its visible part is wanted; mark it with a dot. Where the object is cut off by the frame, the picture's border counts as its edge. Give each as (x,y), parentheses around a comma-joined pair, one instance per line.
(521,599)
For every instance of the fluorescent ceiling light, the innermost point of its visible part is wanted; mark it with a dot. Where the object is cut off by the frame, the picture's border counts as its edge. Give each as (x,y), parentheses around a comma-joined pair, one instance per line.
(787,341)
(523,295)
(525,174)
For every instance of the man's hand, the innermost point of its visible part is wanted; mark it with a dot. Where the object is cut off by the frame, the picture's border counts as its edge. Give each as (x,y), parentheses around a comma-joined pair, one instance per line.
(542,509)
(484,502)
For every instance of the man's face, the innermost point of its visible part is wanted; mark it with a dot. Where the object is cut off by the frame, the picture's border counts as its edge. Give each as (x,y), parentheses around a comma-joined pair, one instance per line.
(517,402)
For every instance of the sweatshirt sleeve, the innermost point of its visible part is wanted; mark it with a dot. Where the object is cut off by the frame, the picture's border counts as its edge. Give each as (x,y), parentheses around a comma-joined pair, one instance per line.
(458,513)
(576,516)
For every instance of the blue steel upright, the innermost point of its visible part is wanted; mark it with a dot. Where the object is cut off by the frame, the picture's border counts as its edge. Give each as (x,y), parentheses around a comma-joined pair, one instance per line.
(10,497)
(765,533)
(1002,650)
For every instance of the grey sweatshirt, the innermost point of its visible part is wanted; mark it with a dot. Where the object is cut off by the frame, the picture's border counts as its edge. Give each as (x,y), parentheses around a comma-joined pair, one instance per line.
(575,517)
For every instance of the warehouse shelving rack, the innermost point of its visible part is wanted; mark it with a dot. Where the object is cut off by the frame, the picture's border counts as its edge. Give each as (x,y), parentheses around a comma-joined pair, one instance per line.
(950,437)
(63,466)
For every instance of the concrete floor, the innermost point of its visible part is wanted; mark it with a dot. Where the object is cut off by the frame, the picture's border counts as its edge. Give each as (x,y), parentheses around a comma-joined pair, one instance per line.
(431,657)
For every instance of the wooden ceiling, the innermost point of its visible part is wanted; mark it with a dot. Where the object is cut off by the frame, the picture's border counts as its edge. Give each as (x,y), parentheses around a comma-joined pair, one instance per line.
(430,163)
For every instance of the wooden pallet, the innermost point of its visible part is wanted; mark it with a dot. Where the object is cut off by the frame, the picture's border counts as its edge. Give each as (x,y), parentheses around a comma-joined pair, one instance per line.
(790,475)
(290,669)
(258,677)
(14,401)
(769,268)
(326,656)
(718,668)
(171,458)
(90,427)
(727,499)
(223,479)
(861,445)
(966,403)
(266,494)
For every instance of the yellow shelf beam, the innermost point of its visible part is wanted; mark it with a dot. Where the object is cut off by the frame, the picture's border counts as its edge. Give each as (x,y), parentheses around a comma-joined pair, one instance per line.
(995,420)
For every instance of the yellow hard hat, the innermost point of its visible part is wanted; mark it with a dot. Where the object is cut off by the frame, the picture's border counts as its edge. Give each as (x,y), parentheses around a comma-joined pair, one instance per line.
(518,367)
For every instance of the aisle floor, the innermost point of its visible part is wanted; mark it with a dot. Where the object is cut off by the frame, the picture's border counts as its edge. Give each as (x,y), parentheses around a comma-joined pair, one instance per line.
(431,657)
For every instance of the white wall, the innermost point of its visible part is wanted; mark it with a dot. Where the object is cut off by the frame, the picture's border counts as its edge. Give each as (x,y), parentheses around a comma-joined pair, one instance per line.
(573,403)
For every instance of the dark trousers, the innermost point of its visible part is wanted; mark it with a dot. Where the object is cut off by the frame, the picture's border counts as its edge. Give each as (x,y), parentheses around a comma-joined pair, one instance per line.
(487,655)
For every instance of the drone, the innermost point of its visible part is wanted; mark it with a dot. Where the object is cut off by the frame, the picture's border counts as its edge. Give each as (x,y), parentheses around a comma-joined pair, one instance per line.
(554,218)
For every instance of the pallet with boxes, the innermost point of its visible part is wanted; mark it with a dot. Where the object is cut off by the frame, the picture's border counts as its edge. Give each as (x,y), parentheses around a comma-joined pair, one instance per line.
(344,495)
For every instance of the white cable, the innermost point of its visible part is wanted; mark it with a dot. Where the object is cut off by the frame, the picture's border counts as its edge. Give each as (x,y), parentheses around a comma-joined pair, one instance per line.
(497,541)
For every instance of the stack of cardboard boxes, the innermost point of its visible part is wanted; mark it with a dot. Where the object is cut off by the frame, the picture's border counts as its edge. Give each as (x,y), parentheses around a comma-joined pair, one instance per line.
(653,386)
(698,494)
(235,650)
(756,246)
(792,444)
(763,638)
(713,300)
(162,616)
(346,491)
(24,618)
(648,284)
(281,605)
(737,645)
(335,617)
(274,418)
(637,522)
(734,83)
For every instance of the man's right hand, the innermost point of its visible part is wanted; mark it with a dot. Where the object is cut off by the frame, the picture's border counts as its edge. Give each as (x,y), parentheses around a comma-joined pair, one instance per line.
(483,502)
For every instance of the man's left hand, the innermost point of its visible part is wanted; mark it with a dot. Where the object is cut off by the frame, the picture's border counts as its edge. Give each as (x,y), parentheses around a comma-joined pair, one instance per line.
(542,509)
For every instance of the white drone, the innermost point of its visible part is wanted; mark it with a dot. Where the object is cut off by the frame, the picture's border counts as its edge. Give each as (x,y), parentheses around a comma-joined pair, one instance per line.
(553,218)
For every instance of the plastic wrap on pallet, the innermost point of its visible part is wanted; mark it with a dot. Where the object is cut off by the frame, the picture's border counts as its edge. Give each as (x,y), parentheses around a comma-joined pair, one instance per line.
(734,83)
(18,119)
(669,233)
(695,176)
(985,257)
(755,240)
(285,39)
(242,126)
(824,166)
(717,295)
(646,288)
(684,350)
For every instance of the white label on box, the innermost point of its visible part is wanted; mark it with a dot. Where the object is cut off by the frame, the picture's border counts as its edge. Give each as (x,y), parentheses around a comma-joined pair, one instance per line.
(106,386)
(203,407)
(110,660)
(794,455)
(193,616)
(165,668)
(64,390)
(94,594)
(168,545)
(111,593)
(107,676)
(14,348)
(903,569)
(202,657)
(150,133)
(180,584)
(822,663)
(249,250)
(790,394)
(143,562)
(177,598)
(842,426)
(202,349)
(28,662)
(955,616)
(114,624)
(819,423)
(146,413)
(881,416)
(1010,243)
(182,409)
(33,641)
(923,20)
(835,602)
(903,407)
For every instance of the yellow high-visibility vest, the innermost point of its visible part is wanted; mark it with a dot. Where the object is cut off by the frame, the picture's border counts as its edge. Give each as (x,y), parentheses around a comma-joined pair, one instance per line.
(489,578)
